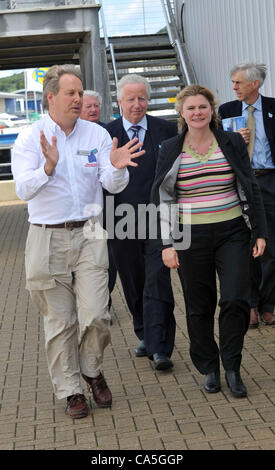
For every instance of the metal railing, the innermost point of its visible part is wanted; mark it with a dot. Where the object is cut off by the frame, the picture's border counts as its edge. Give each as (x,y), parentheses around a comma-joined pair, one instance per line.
(176,42)
(145,17)
(108,45)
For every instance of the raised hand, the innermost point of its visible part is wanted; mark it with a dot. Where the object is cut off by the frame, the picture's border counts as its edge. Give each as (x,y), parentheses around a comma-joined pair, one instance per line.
(122,156)
(50,152)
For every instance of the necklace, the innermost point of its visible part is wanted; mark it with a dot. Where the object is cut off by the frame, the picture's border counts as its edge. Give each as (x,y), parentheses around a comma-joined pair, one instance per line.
(195,149)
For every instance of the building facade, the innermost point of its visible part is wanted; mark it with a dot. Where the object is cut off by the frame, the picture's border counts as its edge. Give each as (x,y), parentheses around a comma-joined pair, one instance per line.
(221,33)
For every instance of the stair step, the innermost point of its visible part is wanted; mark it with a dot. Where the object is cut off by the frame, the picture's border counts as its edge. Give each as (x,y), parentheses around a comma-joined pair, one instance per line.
(157,95)
(151,54)
(164,94)
(146,63)
(166,83)
(153,73)
(150,40)
(154,107)
(158,84)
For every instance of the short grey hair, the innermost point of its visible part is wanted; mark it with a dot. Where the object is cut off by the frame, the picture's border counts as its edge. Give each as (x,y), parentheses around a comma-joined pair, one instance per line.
(254,71)
(93,94)
(132,78)
(52,78)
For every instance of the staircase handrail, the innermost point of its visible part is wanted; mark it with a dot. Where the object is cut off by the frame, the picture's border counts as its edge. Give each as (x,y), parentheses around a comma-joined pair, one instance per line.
(174,38)
(108,45)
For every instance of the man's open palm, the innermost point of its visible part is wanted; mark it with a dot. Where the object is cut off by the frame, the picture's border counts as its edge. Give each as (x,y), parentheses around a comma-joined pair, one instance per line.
(123,156)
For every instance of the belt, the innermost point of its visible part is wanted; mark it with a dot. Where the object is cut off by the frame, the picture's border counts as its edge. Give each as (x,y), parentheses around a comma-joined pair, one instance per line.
(67,225)
(263,172)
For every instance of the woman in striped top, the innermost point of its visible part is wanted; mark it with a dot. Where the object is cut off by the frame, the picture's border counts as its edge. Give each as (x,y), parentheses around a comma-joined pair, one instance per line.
(205,172)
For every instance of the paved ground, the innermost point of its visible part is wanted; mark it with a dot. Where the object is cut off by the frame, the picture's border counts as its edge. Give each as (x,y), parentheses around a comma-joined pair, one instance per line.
(151,410)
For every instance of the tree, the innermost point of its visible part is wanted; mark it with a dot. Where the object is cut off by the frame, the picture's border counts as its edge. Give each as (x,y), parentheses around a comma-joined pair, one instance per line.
(12,83)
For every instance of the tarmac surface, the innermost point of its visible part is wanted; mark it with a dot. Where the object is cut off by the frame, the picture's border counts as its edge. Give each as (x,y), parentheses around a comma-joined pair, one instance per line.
(152,410)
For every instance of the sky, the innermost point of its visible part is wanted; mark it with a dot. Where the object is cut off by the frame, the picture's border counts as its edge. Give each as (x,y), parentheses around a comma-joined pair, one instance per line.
(7,73)
(130,18)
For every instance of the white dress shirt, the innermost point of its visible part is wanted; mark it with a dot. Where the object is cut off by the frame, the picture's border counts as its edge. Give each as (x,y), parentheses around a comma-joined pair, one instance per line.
(261,157)
(74,190)
(143,128)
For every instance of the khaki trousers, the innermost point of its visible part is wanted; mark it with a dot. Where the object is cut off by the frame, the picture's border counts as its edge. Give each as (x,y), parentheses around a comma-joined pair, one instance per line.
(67,275)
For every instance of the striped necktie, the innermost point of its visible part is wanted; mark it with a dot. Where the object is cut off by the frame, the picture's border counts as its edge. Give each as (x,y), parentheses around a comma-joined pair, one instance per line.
(250,124)
(135,130)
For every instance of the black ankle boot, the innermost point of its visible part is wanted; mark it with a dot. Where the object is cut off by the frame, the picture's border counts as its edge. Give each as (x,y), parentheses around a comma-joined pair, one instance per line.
(235,383)
(212,382)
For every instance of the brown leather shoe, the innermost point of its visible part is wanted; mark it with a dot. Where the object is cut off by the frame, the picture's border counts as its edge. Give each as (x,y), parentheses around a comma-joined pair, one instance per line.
(77,406)
(254,318)
(268,318)
(101,392)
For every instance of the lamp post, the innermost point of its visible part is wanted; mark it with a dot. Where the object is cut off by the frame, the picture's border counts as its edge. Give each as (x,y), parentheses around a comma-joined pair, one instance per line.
(26,94)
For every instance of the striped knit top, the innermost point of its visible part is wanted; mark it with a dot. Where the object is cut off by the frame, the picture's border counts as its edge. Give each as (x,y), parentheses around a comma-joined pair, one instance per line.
(205,187)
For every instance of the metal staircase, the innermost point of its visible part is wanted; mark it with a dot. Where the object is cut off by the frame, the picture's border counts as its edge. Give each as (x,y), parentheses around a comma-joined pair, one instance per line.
(153,57)
(162,58)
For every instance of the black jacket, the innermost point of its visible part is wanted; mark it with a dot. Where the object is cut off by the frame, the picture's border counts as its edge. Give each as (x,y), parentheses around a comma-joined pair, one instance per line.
(159,129)
(235,151)
(142,176)
(234,108)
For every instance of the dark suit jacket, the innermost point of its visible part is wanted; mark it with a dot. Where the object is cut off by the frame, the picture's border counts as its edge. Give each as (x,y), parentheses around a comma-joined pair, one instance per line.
(159,130)
(235,151)
(142,177)
(234,108)
(102,124)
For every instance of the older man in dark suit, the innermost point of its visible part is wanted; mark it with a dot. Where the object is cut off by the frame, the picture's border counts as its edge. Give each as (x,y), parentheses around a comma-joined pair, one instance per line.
(259,134)
(145,280)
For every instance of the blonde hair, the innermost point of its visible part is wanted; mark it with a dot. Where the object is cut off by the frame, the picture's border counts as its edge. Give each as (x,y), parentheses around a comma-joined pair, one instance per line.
(194,90)
(52,77)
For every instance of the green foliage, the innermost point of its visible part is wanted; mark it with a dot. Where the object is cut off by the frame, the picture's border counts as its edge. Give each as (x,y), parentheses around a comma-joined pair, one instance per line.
(162,31)
(12,83)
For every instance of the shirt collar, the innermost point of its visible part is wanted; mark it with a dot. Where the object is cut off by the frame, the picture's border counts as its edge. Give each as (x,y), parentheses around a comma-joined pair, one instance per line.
(257,105)
(51,123)
(54,127)
(142,123)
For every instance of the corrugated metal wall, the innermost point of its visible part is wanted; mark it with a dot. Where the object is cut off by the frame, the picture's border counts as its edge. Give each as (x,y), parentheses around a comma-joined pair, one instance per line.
(221,33)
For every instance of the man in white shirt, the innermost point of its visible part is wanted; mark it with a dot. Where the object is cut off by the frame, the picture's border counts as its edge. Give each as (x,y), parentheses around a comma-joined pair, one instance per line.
(60,165)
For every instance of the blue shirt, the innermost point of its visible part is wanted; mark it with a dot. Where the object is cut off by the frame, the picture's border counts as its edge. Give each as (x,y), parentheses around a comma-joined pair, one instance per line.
(141,133)
(261,157)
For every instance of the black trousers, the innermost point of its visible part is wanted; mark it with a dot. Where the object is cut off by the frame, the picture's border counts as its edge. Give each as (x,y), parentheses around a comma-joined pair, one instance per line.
(112,269)
(263,268)
(147,288)
(222,248)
